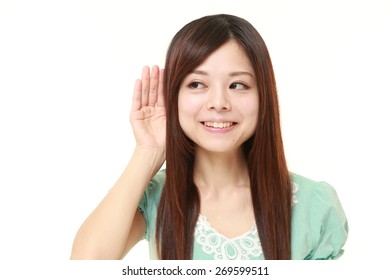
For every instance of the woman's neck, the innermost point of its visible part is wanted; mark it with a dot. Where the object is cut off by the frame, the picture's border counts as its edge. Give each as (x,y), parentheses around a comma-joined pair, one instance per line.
(220,171)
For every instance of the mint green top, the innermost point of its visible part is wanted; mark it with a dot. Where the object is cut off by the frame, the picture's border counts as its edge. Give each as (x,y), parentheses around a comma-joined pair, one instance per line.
(319,225)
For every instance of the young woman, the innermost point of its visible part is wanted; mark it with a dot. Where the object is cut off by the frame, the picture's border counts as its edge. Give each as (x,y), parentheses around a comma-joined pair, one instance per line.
(226,193)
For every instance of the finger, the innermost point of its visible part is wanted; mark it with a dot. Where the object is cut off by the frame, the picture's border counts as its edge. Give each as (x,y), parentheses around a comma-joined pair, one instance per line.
(137,96)
(145,85)
(154,83)
(160,93)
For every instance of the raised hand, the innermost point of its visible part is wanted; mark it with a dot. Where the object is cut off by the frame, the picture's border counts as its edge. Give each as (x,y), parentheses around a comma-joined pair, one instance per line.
(148,114)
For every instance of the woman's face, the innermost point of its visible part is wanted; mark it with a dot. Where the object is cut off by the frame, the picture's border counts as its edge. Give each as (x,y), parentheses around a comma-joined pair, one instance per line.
(218,101)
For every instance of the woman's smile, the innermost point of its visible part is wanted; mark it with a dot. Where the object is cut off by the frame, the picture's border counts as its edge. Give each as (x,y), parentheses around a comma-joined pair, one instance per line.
(218,126)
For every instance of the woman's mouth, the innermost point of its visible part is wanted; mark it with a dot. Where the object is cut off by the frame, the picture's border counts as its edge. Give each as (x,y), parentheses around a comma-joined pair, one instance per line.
(218,124)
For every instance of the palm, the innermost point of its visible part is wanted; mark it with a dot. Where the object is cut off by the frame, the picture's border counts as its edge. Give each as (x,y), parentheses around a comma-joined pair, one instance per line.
(149,126)
(148,115)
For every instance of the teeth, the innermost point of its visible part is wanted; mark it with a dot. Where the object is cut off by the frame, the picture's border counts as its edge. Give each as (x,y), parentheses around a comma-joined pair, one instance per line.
(218,124)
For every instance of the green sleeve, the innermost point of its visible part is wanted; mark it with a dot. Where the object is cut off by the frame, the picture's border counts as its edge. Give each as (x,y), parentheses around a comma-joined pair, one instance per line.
(328,223)
(149,203)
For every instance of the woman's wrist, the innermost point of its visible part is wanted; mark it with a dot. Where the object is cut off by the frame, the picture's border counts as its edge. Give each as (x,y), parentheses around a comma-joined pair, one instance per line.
(149,158)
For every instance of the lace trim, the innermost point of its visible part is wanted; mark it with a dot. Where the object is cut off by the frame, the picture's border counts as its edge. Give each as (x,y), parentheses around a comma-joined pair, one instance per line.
(294,199)
(242,247)
(223,248)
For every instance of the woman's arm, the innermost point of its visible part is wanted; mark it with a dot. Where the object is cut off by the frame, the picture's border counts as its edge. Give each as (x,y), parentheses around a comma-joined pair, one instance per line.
(116,225)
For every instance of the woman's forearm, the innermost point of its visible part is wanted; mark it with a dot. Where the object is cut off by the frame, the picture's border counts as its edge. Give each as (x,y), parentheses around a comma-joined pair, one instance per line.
(105,232)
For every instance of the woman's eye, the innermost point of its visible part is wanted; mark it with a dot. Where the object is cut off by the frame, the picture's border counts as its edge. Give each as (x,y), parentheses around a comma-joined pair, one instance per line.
(196,85)
(238,86)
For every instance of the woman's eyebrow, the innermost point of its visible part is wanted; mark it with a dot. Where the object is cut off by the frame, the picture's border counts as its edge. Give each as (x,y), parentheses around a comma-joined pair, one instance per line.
(200,72)
(232,74)
(239,73)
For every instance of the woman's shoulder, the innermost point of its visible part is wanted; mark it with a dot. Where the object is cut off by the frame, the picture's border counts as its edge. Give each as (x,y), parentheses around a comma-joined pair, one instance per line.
(319,224)
(159,178)
(154,189)
(316,201)
(305,188)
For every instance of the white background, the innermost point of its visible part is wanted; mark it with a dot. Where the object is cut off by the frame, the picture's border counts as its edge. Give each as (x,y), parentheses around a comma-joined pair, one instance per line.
(66,77)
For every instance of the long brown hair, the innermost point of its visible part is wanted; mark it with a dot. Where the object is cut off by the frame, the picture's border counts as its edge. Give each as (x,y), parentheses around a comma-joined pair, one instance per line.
(269,177)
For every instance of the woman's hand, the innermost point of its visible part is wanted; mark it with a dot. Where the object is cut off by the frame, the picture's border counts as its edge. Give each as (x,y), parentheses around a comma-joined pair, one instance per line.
(148,114)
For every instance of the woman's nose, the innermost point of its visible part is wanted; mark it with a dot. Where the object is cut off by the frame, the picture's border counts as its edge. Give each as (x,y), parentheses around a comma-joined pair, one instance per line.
(218,100)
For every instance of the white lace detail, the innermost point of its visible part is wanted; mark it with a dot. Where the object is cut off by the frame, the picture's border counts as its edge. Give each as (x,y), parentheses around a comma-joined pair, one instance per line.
(223,248)
(239,248)
(294,199)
